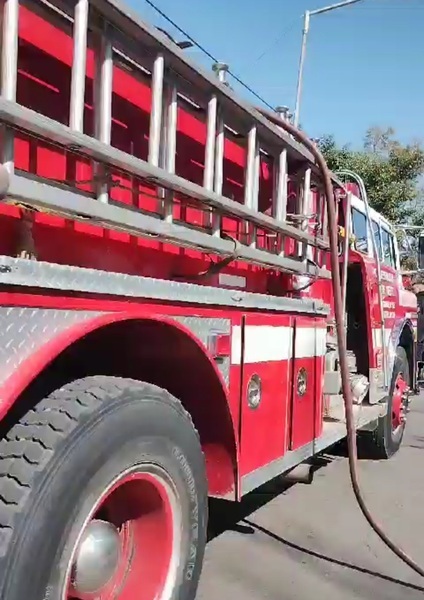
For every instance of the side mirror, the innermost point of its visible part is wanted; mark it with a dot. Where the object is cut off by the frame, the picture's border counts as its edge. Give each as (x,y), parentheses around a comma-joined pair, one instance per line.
(420,257)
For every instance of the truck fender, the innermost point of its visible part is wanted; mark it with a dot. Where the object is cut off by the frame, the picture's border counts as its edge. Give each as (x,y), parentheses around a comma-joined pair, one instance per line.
(402,334)
(170,352)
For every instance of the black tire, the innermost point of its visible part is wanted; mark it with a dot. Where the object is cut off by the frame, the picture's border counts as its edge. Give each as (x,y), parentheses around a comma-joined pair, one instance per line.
(383,443)
(64,450)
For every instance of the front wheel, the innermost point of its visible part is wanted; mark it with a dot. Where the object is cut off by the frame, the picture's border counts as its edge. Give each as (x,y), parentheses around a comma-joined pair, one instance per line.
(386,440)
(102,495)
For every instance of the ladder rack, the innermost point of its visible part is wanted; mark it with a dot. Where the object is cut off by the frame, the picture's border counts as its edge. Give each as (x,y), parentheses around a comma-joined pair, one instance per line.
(116,33)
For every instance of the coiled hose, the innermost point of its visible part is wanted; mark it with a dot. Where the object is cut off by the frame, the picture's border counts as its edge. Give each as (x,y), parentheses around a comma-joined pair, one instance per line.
(338,310)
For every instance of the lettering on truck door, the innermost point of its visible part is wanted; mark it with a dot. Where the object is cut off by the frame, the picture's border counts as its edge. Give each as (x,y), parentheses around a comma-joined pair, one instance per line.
(390,295)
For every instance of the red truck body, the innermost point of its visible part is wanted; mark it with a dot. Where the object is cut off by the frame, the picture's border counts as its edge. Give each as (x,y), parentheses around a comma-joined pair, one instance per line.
(252,360)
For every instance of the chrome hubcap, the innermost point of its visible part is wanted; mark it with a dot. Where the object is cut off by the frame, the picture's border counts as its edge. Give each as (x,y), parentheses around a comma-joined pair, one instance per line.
(136,552)
(96,558)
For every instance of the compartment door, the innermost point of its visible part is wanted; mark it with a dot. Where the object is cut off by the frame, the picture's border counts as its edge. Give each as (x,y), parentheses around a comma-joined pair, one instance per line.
(306,407)
(266,348)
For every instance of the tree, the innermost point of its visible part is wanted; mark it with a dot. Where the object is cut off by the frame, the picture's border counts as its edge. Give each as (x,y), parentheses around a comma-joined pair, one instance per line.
(390,170)
(378,140)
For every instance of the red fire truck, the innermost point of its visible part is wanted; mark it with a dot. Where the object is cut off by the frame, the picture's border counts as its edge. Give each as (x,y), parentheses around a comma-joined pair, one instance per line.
(169,317)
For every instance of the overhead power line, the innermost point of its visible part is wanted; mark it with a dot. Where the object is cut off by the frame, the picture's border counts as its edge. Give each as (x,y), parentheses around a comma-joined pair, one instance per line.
(207,53)
(279,38)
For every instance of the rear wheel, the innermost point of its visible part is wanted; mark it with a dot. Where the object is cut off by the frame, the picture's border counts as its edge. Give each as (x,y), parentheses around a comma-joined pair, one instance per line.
(102,495)
(387,438)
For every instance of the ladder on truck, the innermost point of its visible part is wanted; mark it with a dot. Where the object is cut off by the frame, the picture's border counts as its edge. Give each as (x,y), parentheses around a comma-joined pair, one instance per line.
(116,33)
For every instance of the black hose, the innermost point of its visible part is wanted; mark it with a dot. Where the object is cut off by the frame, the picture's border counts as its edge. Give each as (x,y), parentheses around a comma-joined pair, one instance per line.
(338,310)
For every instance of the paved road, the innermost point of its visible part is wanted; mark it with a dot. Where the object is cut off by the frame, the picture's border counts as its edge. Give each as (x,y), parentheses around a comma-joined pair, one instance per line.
(312,543)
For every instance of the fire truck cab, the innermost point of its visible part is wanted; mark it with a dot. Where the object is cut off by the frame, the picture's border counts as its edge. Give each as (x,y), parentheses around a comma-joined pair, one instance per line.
(398,304)
(167,322)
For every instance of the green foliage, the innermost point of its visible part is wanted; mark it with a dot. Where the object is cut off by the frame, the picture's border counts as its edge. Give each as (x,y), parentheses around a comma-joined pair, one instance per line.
(390,170)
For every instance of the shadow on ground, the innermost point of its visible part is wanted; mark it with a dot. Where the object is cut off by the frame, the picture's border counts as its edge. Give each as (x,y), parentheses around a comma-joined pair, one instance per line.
(417,442)
(224,516)
(230,516)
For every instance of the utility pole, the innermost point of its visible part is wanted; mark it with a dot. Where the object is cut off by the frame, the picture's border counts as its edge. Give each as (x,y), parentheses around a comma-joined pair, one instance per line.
(306,22)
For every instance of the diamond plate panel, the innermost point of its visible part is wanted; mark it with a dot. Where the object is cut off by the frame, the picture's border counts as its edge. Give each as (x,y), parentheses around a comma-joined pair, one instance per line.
(202,328)
(24,331)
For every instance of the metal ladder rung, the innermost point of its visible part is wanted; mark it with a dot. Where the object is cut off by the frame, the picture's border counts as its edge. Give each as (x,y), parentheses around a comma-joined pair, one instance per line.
(280,193)
(219,156)
(252,173)
(211,129)
(9,71)
(213,174)
(304,249)
(79,65)
(156,110)
(281,196)
(219,170)
(281,180)
(169,144)
(251,186)
(221,70)
(103,86)
(281,188)
(306,210)
(214,152)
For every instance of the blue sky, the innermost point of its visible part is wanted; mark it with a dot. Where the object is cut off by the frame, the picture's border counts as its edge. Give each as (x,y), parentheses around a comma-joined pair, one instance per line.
(364,64)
